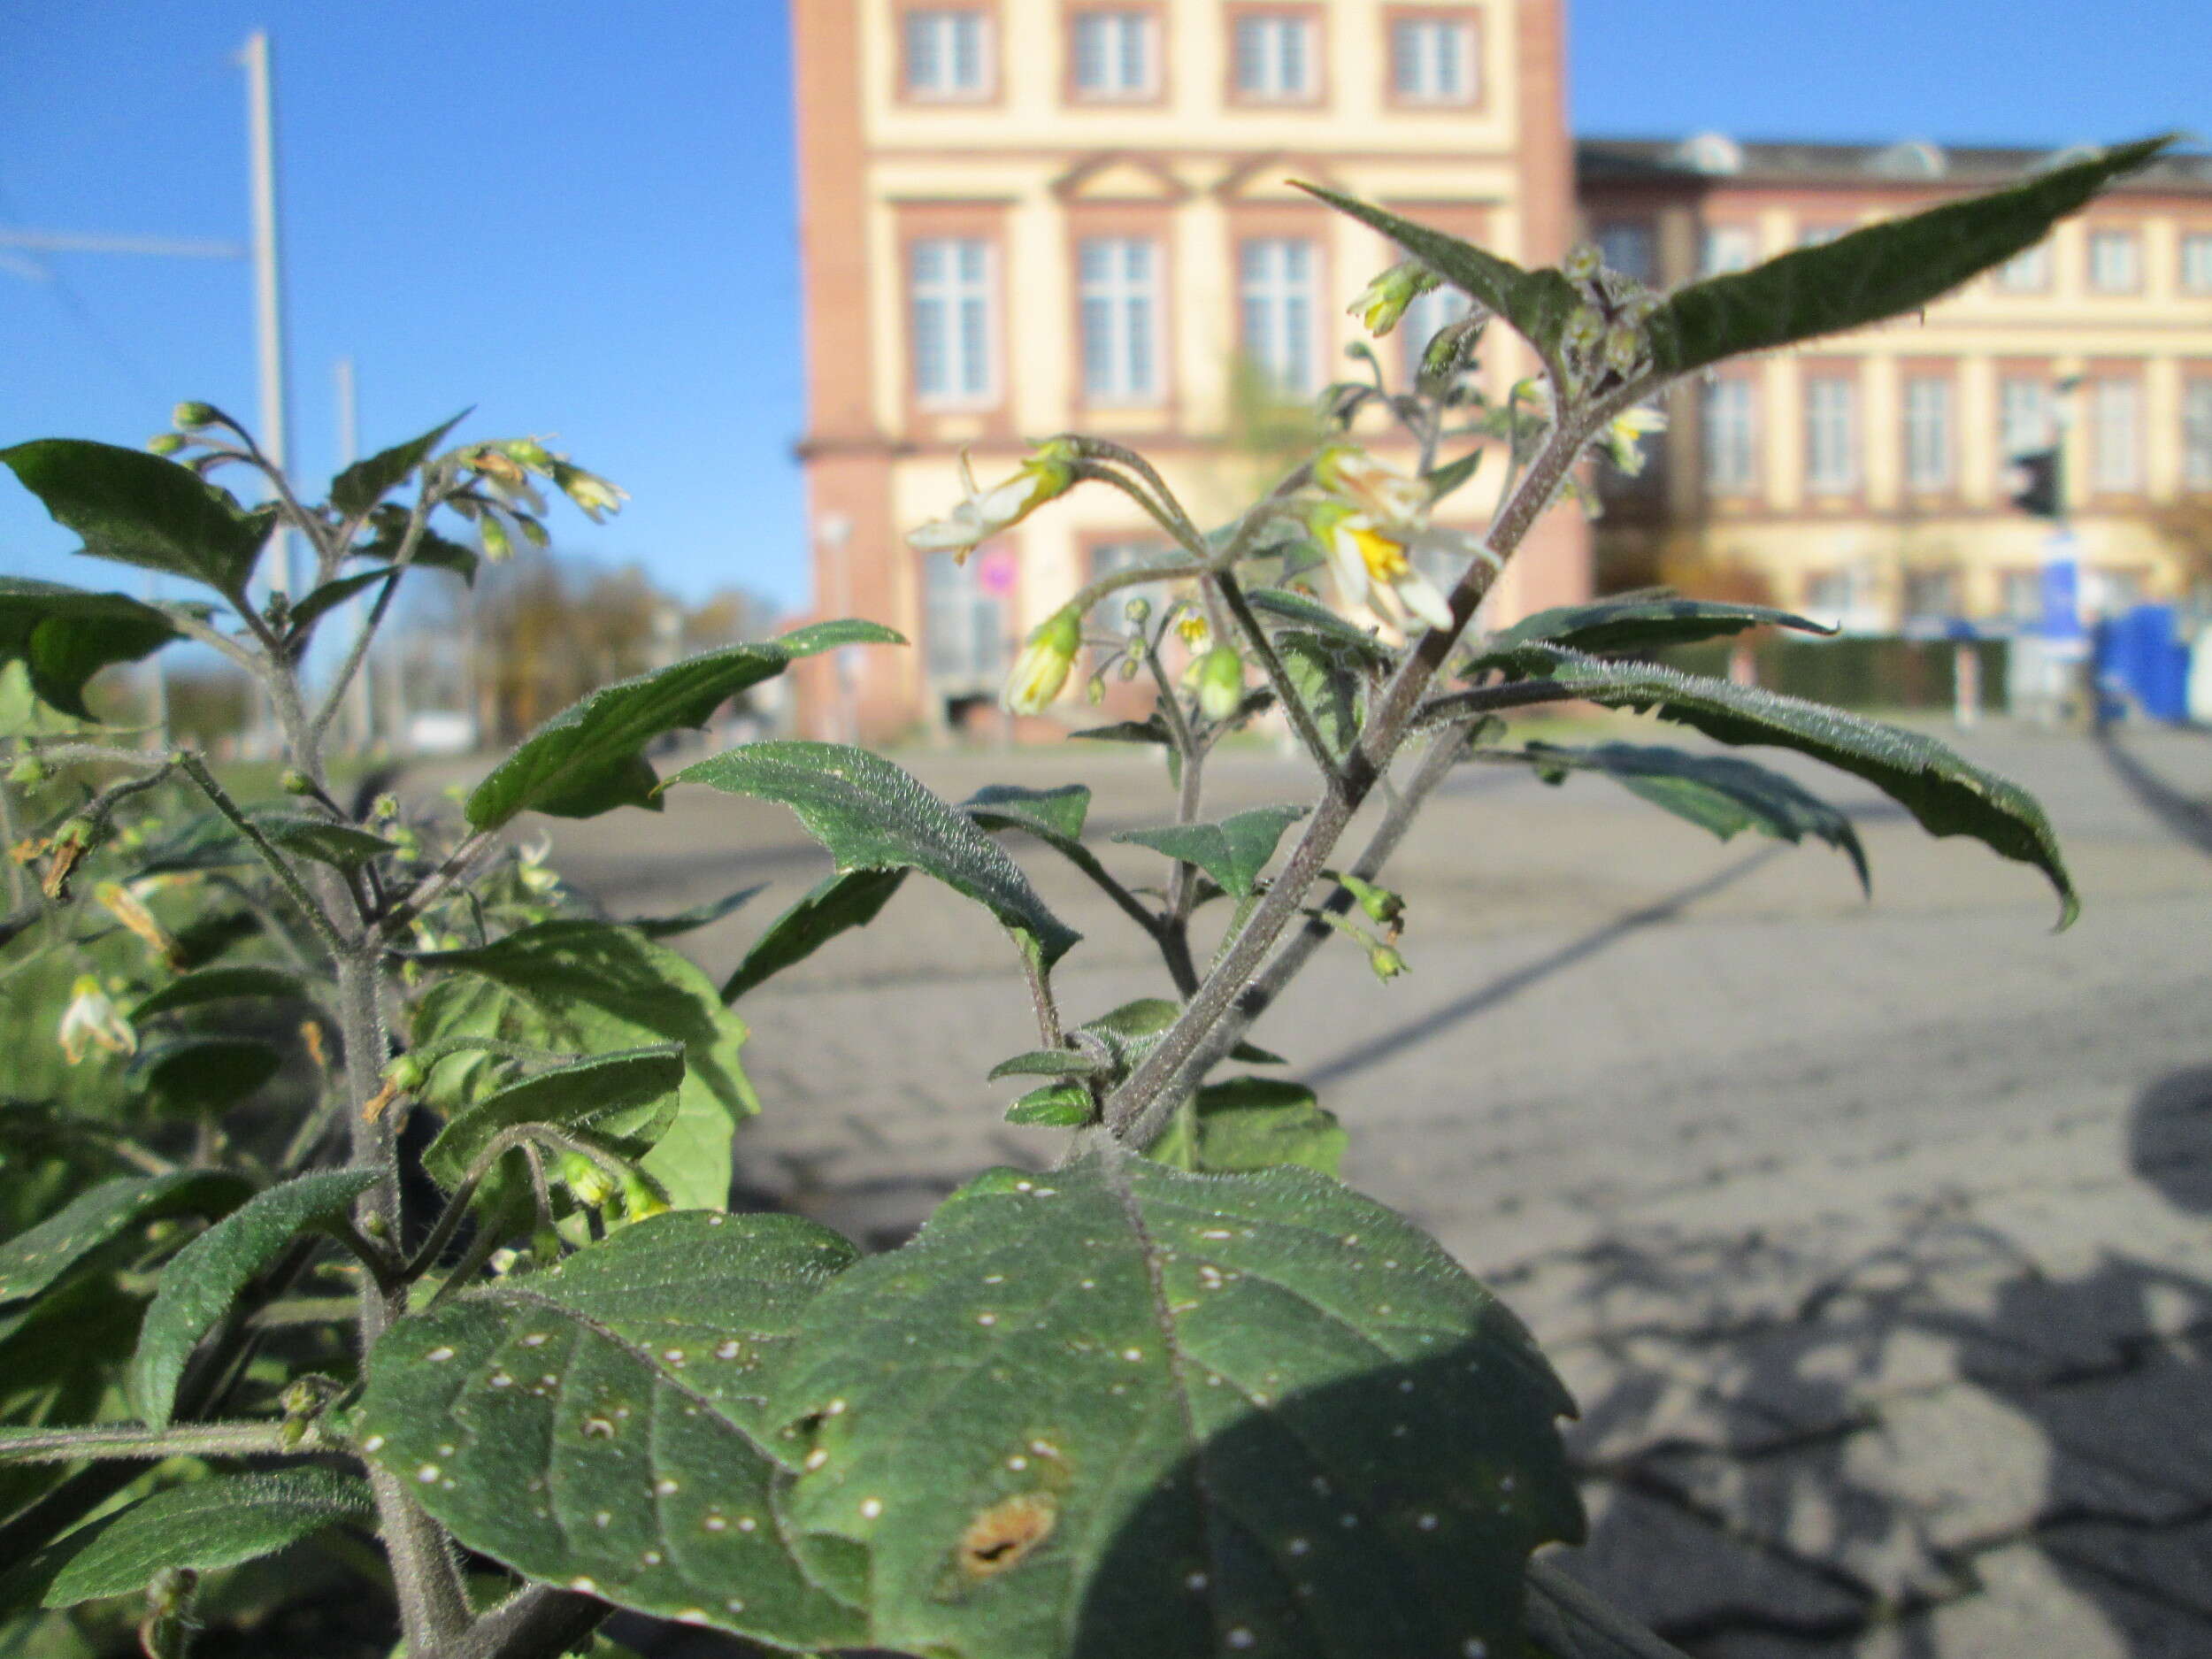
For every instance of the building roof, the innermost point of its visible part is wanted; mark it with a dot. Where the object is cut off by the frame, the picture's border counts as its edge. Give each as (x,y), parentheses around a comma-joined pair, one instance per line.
(1716,155)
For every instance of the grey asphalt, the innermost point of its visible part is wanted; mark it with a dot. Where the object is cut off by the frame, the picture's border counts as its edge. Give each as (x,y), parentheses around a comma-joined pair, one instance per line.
(1874,1238)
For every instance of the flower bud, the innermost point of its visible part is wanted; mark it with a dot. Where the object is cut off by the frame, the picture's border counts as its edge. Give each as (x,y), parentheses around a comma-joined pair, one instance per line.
(1452,346)
(165,442)
(498,544)
(1138,612)
(29,771)
(1220,682)
(1381,904)
(1042,668)
(1582,262)
(1625,348)
(1095,690)
(295,782)
(1130,668)
(1585,330)
(192,413)
(591,1185)
(1387,964)
(1384,301)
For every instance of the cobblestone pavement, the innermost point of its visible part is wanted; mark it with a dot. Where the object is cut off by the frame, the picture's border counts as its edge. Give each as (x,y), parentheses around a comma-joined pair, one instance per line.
(1875,1239)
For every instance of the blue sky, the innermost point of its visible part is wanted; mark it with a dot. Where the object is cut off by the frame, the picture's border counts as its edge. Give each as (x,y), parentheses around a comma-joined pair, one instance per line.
(579,218)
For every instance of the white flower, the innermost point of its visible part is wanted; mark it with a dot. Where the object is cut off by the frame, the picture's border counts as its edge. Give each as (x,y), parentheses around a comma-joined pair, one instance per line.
(1041,670)
(1048,473)
(1380,493)
(1372,567)
(91,1017)
(1622,433)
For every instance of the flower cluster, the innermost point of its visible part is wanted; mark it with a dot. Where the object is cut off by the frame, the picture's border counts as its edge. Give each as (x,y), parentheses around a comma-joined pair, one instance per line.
(1371,520)
(1606,340)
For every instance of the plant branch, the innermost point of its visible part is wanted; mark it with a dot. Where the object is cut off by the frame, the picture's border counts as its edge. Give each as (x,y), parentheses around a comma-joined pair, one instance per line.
(1293,706)
(537,1622)
(187,1439)
(418,520)
(1039,977)
(432,888)
(1454,707)
(1388,720)
(287,877)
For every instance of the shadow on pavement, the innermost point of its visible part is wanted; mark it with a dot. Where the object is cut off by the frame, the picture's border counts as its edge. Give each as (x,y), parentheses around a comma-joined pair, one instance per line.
(2188,819)
(1938,1452)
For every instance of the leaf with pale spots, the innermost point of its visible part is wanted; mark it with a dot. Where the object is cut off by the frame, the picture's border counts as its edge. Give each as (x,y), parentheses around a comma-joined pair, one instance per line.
(1120,1409)
(630,1096)
(599,1424)
(1252,1123)
(197,1289)
(1232,852)
(871,814)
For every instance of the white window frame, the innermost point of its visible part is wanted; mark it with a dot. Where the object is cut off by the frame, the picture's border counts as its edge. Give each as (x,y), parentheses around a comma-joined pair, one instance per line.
(964,294)
(1111,614)
(963,626)
(1279,309)
(1440,51)
(1724,249)
(2116,261)
(2025,412)
(941,26)
(1832,434)
(2196,261)
(1113,41)
(1948,580)
(1117,297)
(2116,427)
(1929,403)
(1616,237)
(1264,58)
(2196,432)
(2027,271)
(1730,431)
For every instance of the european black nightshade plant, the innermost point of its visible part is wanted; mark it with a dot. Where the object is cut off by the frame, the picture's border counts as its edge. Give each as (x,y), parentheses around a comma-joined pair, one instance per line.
(1183,1394)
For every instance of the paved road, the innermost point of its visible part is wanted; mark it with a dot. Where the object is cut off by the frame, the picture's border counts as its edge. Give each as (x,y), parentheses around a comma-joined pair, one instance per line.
(1874,1239)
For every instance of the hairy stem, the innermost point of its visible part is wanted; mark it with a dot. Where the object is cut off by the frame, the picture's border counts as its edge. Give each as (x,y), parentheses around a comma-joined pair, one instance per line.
(1293,706)
(287,877)
(187,1439)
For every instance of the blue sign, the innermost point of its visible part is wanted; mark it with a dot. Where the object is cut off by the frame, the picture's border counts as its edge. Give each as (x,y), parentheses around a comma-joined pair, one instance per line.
(2062,589)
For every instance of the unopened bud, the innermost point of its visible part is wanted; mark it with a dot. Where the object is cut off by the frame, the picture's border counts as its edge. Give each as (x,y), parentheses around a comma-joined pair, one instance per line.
(1095,690)
(1585,330)
(1138,612)
(384,806)
(1381,903)
(1220,682)
(191,413)
(1129,668)
(30,771)
(1625,349)
(295,782)
(1583,261)
(165,442)
(1387,964)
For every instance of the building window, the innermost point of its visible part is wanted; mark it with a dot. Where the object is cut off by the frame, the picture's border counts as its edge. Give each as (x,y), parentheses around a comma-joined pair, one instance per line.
(1831,440)
(947,54)
(951,287)
(2020,595)
(1277,280)
(1119,282)
(1629,248)
(1727,248)
(1845,595)
(965,625)
(2196,263)
(1275,58)
(1932,593)
(2116,262)
(1927,434)
(1432,61)
(1115,55)
(2024,416)
(2027,271)
(2116,427)
(1111,615)
(2196,433)
(1424,318)
(1730,442)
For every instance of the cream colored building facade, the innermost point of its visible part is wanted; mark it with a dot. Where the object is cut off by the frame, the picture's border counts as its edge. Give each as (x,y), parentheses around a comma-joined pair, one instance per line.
(1021,217)
(1868,479)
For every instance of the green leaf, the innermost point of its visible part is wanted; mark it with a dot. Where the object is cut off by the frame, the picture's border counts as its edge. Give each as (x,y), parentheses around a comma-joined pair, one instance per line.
(1052,815)
(1046,1062)
(319,602)
(1326,676)
(1639,622)
(871,814)
(1537,304)
(215,985)
(363,484)
(431,549)
(341,846)
(698,916)
(204,1277)
(1315,617)
(603,1093)
(1232,852)
(63,635)
(1715,792)
(205,1074)
(210,1523)
(1244,1124)
(589,988)
(1446,479)
(1151,729)
(1884,270)
(1126,1410)
(139,509)
(1948,794)
(1054,1106)
(831,907)
(36,1257)
(598,1425)
(590,757)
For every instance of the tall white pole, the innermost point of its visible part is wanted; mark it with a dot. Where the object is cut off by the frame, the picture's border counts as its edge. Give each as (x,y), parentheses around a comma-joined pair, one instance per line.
(268,287)
(360,703)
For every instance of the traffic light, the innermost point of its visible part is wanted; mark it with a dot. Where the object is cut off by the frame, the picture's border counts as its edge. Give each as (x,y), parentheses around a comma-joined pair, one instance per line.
(2037,484)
